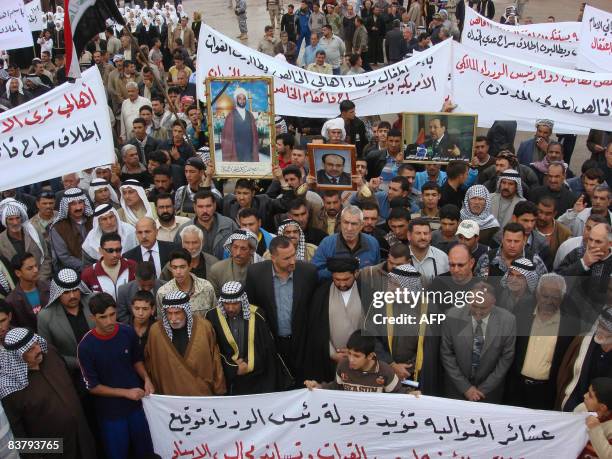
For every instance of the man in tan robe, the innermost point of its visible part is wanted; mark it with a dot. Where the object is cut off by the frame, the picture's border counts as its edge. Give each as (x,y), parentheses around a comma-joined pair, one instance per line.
(181,355)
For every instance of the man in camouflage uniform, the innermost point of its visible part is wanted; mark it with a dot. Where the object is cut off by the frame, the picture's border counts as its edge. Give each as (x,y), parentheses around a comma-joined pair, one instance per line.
(240,11)
(274,9)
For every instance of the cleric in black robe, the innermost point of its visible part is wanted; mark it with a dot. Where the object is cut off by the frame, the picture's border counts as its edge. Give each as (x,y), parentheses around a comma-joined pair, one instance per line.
(250,362)
(411,348)
(335,313)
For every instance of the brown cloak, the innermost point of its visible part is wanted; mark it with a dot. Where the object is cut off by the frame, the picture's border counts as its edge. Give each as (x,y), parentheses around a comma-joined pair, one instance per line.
(197,373)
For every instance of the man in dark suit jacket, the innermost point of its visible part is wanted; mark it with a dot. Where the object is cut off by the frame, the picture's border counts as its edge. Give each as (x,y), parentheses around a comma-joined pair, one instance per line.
(293,280)
(441,143)
(477,350)
(530,383)
(333,170)
(149,248)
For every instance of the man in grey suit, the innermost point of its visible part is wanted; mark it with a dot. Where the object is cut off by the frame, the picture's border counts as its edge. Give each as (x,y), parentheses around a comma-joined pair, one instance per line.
(477,349)
(66,318)
(145,280)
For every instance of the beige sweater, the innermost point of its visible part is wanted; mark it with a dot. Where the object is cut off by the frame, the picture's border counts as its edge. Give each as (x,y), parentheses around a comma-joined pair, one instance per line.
(599,436)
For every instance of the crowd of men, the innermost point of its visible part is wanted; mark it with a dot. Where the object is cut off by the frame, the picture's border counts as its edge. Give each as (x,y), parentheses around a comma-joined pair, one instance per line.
(150,275)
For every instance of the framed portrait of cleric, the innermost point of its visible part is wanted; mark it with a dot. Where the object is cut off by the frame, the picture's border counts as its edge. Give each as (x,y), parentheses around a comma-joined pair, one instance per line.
(333,165)
(241,126)
(438,137)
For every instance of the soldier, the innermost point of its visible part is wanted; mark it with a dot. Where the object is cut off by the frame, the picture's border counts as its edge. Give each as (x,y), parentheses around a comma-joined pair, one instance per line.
(240,11)
(274,7)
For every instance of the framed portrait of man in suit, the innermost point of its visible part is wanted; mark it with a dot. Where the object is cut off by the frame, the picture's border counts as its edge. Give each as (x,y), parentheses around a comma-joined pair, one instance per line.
(241,126)
(333,165)
(438,137)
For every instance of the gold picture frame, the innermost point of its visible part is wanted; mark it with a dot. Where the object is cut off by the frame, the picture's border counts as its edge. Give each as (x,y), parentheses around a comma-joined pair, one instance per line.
(245,148)
(316,156)
(456,142)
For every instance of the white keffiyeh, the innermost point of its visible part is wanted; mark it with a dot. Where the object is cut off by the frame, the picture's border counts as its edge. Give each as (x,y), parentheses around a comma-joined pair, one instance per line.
(10,207)
(125,231)
(334,123)
(130,216)
(99,183)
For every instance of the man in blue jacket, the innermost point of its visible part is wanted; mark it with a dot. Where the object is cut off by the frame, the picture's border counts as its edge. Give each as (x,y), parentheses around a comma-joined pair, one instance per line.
(303,29)
(349,242)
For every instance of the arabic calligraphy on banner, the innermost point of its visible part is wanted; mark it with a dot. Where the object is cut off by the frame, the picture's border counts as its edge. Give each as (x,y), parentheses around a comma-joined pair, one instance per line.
(499,88)
(65,130)
(346,425)
(480,33)
(595,52)
(14,26)
(422,78)
(35,16)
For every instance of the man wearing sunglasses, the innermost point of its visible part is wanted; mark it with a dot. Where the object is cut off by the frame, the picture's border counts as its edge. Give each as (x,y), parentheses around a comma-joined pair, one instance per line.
(111,270)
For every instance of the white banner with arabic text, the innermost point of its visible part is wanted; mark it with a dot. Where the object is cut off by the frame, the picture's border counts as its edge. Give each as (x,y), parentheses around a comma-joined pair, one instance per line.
(416,84)
(14,26)
(595,52)
(499,88)
(338,424)
(65,130)
(483,34)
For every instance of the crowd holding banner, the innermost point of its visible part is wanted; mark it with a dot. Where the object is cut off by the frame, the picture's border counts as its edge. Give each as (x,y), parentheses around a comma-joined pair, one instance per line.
(193,232)
(479,78)
(323,424)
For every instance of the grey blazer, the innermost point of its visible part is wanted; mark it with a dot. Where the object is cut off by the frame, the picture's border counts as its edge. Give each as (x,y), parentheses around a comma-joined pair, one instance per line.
(125,293)
(53,325)
(496,357)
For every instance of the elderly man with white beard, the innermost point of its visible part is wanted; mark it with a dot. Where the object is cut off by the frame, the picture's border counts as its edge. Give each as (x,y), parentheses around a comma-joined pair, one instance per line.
(586,358)
(192,240)
(181,354)
(21,237)
(544,332)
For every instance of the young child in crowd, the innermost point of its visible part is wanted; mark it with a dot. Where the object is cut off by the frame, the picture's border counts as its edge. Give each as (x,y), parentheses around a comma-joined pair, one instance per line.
(361,371)
(598,400)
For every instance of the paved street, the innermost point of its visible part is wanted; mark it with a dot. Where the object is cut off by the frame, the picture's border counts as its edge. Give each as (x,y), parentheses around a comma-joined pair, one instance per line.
(217,14)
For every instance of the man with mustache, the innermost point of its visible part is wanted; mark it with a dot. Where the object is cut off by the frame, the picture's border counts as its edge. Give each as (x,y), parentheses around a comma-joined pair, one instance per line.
(69,229)
(256,367)
(586,358)
(38,395)
(181,354)
(66,318)
(167,221)
(216,227)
